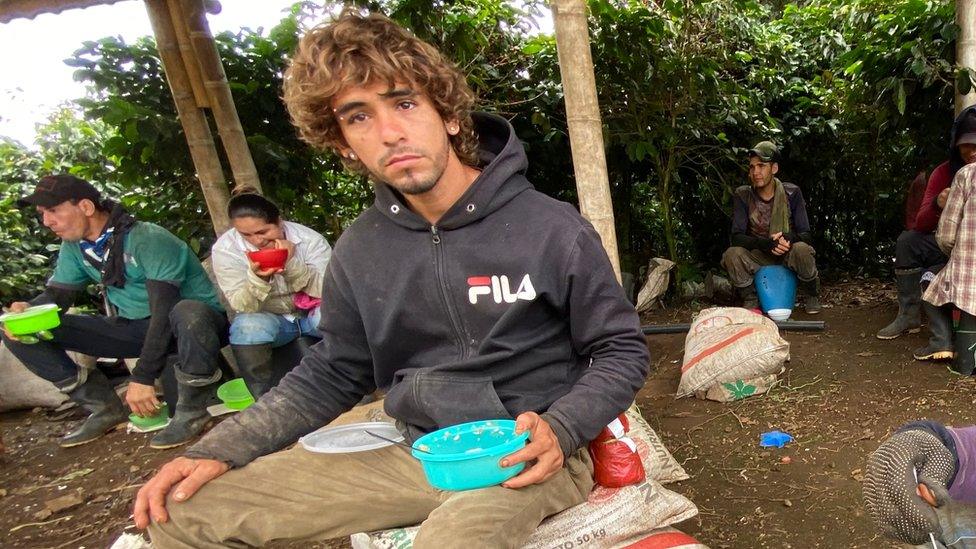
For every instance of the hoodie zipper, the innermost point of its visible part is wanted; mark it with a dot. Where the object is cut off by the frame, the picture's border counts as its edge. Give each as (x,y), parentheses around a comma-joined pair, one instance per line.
(452,313)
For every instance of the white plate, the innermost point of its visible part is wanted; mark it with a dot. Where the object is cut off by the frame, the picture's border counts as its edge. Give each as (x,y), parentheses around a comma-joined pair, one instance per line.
(344,439)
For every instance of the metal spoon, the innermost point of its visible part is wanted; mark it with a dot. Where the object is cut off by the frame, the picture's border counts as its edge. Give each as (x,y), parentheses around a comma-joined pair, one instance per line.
(397,442)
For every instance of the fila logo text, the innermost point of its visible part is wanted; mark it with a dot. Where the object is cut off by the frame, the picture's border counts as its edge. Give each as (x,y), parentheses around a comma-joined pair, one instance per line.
(499,289)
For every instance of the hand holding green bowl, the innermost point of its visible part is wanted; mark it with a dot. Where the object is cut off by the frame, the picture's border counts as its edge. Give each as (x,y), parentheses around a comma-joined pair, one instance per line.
(33,323)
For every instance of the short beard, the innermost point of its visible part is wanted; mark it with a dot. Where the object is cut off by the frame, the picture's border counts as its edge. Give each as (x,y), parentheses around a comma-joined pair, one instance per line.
(412,186)
(418,187)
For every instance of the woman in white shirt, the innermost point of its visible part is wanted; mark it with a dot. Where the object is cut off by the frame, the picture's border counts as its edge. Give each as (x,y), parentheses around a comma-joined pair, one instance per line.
(276,305)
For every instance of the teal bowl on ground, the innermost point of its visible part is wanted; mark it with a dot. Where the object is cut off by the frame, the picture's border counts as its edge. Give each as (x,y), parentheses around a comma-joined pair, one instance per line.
(467,456)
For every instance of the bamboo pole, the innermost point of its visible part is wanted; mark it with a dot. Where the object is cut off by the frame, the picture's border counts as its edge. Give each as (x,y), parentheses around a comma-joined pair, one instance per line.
(218,91)
(583,118)
(193,120)
(966,46)
(188,55)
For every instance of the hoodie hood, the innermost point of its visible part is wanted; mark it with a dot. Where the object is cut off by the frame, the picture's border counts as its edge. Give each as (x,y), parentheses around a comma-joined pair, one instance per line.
(503,163)
(964,123)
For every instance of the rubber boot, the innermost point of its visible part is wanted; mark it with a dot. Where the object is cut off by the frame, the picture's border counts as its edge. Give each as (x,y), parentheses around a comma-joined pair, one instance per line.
(965,360)
(256,366)
(940,344)
(748,296)
(107,413)
(811,289)
(909,295)
(190,419)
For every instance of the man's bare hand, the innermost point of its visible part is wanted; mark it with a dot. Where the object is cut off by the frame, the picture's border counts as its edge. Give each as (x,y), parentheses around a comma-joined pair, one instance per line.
(186,474)
(943,197)
(782,246)
(142,399)
(15,307)
(542,448)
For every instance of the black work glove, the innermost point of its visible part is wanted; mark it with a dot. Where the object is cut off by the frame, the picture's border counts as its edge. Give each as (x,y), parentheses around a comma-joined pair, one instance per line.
(957,520)
(891,486)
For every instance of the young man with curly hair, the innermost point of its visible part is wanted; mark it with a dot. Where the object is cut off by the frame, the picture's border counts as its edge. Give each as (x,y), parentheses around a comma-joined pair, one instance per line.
(462,293)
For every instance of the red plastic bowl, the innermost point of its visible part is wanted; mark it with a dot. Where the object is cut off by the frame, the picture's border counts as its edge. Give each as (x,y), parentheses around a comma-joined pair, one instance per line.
(272,258)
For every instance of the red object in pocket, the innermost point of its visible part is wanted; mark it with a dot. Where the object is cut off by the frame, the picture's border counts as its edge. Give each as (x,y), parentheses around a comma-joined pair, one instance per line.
(615,463)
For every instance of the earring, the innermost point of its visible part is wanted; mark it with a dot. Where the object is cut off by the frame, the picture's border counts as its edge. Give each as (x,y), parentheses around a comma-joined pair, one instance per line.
(453,130)
(352,156)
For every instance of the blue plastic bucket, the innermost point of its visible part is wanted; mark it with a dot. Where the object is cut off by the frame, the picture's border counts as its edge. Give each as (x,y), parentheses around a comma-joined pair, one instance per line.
(776,288)
(467,456)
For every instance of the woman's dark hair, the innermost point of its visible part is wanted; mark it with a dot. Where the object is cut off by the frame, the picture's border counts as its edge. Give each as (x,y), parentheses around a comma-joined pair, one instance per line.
(246,202)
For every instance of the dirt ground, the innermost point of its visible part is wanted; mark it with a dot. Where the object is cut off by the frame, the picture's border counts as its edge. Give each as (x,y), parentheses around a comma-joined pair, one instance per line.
(843,392)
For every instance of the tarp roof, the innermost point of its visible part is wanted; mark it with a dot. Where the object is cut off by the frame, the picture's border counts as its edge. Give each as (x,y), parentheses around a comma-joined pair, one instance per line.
(29,9)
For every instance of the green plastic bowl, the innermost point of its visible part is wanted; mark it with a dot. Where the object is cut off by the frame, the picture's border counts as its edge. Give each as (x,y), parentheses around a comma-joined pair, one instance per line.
(38,318)
(144,423)
(235,395)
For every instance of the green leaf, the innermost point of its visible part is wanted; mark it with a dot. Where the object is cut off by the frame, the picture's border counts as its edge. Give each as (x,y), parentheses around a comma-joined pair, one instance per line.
(964,81)
(900,98)
(854,68)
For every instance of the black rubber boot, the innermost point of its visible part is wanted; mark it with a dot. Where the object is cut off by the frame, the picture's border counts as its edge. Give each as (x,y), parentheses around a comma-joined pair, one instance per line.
(748,296)
(256,366)
(107,413)
(909,319)
(940,344)
(965,360)
(811,289)
(190,419)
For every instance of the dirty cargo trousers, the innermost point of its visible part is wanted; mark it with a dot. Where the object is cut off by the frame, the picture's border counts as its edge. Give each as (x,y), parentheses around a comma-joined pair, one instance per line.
(198,330)
(742,263)
(300,495)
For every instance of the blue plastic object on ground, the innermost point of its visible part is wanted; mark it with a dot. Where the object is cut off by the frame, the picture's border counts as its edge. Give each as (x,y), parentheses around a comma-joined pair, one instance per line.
(774,439)
(467,456)
(776,289)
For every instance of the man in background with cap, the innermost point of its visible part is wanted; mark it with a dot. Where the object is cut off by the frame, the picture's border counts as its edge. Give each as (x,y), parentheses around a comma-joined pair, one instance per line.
(769,227)
(917,254)
(160,292)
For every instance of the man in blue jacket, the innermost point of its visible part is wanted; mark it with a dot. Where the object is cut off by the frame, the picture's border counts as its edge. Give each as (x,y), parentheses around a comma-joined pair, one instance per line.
(463,293)
(770,227)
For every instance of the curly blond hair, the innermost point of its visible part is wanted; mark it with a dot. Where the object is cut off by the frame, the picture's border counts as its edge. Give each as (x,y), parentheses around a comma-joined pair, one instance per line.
(356,50)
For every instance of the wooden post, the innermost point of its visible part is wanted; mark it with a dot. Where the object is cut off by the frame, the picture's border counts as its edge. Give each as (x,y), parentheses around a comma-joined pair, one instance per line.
(218,91)
(966,46)
(188,55)
(583,118)
(192,118)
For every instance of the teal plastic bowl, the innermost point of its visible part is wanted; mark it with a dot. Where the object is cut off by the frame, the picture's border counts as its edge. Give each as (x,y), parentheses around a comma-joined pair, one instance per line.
(467,456)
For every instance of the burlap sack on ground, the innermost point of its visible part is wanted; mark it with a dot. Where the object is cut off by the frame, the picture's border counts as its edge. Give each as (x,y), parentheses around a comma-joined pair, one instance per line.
(658,462)
(658,278)
(741,388)
(610,518)
(726,344)
(665,538)
(20,389)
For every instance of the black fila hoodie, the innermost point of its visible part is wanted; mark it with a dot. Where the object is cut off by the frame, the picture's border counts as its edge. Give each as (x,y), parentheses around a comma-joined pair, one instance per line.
(508,304)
